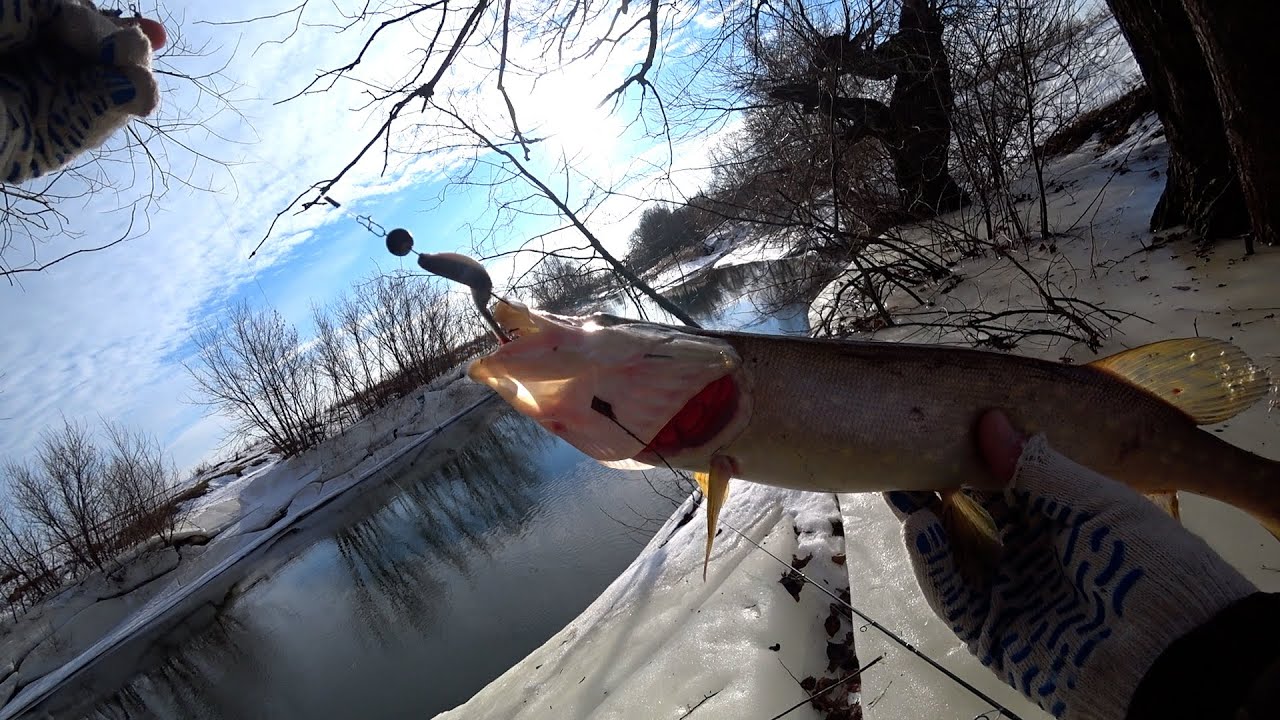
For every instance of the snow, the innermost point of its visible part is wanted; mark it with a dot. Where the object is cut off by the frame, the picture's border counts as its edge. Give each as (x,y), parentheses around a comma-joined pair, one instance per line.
(754,252)
(660,643)
(730,246)
(660,640)
(884,587)
(241,515)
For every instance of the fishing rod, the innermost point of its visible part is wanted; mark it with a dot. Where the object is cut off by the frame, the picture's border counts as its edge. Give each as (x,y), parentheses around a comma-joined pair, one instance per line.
(887,632)
(855,674)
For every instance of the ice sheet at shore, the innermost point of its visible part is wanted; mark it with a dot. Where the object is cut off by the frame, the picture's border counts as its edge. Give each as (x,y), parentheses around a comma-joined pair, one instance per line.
(659,641)
(68,632)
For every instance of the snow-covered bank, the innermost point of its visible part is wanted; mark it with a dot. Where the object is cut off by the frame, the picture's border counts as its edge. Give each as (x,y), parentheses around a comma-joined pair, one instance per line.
(660,643)
(726,247)
(239,518)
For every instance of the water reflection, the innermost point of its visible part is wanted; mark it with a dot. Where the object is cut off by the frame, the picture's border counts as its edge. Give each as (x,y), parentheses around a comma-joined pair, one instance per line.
(172,689)
(474,500)
(767,297)
(446,575)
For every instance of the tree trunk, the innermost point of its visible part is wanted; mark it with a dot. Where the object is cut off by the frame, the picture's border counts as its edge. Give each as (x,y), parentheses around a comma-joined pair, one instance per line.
(1238,42)
(1201,189)
(915,126)
(920,111)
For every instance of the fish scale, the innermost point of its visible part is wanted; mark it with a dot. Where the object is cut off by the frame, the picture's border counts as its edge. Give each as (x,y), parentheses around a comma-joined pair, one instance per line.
(861,416)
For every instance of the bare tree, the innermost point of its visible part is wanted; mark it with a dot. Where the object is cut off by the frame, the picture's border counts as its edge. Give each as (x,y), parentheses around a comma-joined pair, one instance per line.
(79,504)
(66,494)
(27,570)
(139,481)
(661,234)
(1024,70)
(389,336)
(914,126)
(561,285)
(337,359)
(253,368)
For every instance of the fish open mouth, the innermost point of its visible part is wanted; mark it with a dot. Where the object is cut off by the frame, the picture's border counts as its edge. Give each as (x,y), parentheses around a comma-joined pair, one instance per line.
(609,388)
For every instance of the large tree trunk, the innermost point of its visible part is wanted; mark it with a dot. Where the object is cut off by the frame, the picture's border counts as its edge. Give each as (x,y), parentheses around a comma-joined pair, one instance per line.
(1201,189)
(920,111)
(1238,40)
(915,126)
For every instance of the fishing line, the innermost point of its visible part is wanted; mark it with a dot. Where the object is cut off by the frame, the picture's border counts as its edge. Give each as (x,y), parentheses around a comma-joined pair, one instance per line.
(893,636)
(605,409)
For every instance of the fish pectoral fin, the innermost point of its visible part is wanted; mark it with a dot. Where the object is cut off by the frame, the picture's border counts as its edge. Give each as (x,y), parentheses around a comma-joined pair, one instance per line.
(975,542)
(715,488)
(1167,501)
(1209,380)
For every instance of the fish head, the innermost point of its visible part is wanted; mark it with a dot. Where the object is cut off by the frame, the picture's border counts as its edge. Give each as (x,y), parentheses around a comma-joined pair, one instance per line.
(612,387)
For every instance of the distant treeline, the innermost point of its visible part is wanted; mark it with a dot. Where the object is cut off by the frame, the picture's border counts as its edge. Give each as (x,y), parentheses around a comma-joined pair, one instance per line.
(86,498)
(388,336)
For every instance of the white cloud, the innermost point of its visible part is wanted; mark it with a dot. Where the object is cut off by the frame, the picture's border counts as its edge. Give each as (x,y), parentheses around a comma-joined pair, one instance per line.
(104,334)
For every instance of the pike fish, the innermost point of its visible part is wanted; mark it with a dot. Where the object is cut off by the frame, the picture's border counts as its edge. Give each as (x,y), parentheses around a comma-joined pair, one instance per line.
(851,416)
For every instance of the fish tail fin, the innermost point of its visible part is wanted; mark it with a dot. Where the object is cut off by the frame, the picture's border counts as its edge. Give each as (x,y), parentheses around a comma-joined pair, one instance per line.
(1209,380)
(715,488)
(975,542)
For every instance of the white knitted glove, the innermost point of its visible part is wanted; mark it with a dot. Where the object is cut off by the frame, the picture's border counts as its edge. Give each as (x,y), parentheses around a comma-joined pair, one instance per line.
(1094,584)
(70,76)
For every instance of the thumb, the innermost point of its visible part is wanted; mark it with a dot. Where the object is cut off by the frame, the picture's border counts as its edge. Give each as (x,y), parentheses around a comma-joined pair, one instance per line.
(1001,444)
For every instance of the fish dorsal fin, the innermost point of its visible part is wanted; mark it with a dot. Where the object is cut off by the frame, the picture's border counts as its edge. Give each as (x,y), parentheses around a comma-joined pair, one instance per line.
(715,488)
(1209,380)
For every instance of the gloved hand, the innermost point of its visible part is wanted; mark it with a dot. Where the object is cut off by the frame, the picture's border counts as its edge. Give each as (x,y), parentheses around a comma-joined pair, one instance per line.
(1094,583)
(70,76)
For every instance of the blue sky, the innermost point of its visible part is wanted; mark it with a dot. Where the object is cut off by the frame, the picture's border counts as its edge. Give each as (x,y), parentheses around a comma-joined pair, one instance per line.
(104,335)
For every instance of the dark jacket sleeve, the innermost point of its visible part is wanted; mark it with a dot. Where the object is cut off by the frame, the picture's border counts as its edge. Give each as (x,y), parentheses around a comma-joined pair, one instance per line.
(1226,669)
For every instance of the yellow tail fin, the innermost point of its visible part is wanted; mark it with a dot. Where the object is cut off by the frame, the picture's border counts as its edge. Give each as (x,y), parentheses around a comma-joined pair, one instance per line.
(1209,380)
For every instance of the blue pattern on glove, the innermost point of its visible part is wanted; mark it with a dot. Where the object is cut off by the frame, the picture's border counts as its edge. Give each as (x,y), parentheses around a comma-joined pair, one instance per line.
(70,76)
(1061,591)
